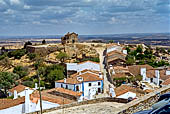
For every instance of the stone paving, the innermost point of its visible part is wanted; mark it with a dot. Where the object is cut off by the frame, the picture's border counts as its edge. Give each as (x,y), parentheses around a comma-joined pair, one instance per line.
(98,108)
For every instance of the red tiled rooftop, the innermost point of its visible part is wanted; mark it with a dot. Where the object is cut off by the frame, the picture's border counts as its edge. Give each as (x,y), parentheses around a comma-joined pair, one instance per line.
(18,88)
(86,78)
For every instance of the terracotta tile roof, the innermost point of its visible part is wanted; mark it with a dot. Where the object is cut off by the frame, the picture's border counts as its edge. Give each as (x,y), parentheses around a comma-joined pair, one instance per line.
(125,88)
(148,90)
(150,73)
(66,91)
(115,59)
(120,75)
(163,75)
(135,69)
(88,61)
(166,82)
(86,70)
(115,52)
(7,103)
(46,96)
(86,78)
(18,88)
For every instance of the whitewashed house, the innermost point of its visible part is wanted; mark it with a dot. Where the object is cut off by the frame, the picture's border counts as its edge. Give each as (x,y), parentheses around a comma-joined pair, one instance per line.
(19,91)
(87,82)
(150,76)
(78,67)
(25,104)
(124,92)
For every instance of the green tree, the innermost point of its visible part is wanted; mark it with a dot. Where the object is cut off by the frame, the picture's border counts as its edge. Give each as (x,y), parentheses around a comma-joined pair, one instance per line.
(17,54)
(26,44)
(5,63)
(32,56)
(139,49)
(21,71)
(43,42)
(111,41)
(130,60)
(168,50)
(7,80)
(62,56)
(128,49)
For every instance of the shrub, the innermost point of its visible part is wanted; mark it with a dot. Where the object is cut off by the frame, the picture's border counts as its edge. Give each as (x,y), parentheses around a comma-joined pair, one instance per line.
(31,56)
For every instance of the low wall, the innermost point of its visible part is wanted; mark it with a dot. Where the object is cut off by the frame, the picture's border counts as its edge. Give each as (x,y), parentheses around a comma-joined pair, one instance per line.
(142,103)
(99,100)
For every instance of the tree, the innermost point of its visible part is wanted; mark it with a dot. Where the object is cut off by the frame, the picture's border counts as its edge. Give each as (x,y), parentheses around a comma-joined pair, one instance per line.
(62,56)
(21,71)
(130,60)
(3,50)
(128,49)
(6,63)
(17,54)
(7,80)
(31,56)
(43,42)
(168,50)
(111,41)
(139,49)
(26,44)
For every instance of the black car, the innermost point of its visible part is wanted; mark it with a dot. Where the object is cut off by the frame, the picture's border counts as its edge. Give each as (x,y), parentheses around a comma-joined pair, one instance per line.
(164,96)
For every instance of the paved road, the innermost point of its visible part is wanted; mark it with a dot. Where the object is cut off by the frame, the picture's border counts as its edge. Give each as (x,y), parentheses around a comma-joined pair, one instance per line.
(103,70)
(97,108)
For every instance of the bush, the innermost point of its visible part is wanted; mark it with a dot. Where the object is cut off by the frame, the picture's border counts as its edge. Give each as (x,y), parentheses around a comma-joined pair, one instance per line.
(31,56)
(28,83)
(21,71)
(17,54)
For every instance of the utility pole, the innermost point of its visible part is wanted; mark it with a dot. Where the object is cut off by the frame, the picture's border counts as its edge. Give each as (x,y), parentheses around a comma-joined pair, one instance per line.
(40,93)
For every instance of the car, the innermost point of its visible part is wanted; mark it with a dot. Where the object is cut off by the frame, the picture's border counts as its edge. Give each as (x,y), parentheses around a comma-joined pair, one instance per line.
(163,110)
(164,96)
(156,107)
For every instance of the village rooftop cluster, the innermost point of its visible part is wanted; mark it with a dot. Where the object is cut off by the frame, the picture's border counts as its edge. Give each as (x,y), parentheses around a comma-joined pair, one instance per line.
(75,72)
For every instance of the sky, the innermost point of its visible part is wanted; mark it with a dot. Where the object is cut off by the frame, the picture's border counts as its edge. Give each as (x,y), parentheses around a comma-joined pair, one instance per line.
(85,17)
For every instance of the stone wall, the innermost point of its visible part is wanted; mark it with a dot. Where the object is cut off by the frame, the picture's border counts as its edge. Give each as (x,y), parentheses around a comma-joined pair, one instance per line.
(43,51)
(99,100)
(143,103)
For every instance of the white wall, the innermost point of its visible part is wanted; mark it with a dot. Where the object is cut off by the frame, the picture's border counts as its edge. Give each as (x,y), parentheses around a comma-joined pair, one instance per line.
(143,73)
(13,110)
(71,66)
(70,86)
(127,95)
(167,72)
(21,94)
(88,65)
(113,48)
(89,91)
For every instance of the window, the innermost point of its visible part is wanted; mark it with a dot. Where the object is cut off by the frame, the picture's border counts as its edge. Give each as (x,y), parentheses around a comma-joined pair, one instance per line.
(66,86)
(77,88)
(98,83)
(89,84)
(61,85)
(99,90)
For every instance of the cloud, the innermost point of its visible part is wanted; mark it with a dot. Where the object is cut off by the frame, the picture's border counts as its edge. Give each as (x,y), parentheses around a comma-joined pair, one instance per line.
(84,13)
(14,2)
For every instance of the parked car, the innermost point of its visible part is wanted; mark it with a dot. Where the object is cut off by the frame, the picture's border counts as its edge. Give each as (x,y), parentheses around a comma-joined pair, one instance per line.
(164,96)
(161,107)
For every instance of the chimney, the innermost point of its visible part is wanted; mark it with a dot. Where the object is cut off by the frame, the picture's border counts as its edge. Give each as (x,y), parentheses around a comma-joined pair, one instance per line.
(36,86)
(100,75)
(143,73)
(65,80)
(157,75)
(15,94)
(80,73)
(27,100)
(125,52)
